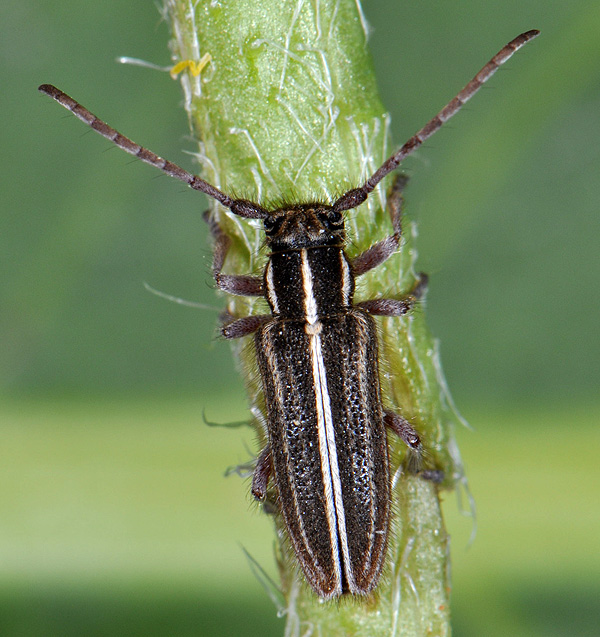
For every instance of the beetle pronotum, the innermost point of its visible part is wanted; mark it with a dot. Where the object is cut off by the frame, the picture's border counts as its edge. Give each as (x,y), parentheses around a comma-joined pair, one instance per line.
(318,358)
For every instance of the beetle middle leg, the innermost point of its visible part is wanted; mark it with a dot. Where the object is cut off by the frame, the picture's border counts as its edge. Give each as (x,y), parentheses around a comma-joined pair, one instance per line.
(397,307)
(237,328)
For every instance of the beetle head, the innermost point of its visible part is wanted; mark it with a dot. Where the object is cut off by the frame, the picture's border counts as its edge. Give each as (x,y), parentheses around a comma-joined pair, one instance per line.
(304,226)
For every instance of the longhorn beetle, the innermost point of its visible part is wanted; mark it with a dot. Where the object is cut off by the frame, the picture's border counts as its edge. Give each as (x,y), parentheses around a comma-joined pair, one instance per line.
(317,354)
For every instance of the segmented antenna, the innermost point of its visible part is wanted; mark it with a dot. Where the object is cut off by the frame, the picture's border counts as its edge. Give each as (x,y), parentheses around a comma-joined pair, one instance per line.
(356,196)
(238,206)
(347,201)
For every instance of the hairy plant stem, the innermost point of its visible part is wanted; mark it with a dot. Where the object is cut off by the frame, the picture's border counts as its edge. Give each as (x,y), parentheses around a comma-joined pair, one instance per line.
(287,109)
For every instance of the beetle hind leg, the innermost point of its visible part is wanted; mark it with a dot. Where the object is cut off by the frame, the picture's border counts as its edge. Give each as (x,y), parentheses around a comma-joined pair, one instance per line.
(262,473)
(403,429)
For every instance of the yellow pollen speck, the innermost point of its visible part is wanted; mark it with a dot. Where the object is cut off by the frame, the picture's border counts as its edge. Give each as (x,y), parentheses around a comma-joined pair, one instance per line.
(195,68)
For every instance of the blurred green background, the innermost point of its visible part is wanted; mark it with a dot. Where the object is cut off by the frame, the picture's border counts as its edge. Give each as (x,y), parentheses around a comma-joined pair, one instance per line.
(115,515)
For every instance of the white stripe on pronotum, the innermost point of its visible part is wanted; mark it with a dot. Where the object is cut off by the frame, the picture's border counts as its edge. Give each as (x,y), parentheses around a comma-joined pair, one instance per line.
(271,294)
(310,302)
(346,280)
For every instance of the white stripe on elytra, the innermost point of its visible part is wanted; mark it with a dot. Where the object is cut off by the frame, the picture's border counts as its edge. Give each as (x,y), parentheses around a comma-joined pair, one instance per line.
(330,471)
(279,391)
(329,466)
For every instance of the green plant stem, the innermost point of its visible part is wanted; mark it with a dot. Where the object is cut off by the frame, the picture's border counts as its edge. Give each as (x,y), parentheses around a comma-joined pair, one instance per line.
(287,110)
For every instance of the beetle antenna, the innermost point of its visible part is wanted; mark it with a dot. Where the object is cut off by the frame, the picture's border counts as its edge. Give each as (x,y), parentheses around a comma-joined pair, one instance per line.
(356,196)
(240,207)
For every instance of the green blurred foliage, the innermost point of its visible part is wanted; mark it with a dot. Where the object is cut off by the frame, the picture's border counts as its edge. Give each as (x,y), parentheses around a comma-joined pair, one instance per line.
(114,518)
(117,520)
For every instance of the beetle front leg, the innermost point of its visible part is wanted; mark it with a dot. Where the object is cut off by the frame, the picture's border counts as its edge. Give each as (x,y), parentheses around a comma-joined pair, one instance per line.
(238,284)
(383,250)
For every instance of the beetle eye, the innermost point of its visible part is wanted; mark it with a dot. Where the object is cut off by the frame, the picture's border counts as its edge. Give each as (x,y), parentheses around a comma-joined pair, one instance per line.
(331,218)
(272,225)
(335,218)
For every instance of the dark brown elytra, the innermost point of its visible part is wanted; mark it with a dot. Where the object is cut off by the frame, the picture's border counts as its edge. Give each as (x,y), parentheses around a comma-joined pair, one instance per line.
(318,356)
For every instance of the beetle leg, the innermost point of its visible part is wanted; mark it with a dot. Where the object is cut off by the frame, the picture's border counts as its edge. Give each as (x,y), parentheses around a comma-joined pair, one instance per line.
(403,429)
(396,307)
(383,250)
(406,432)
(433,475)
(262,473)
(244,326)
(238,284)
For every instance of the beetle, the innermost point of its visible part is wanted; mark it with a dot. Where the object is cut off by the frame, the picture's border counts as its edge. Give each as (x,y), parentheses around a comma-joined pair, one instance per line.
(317,353)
